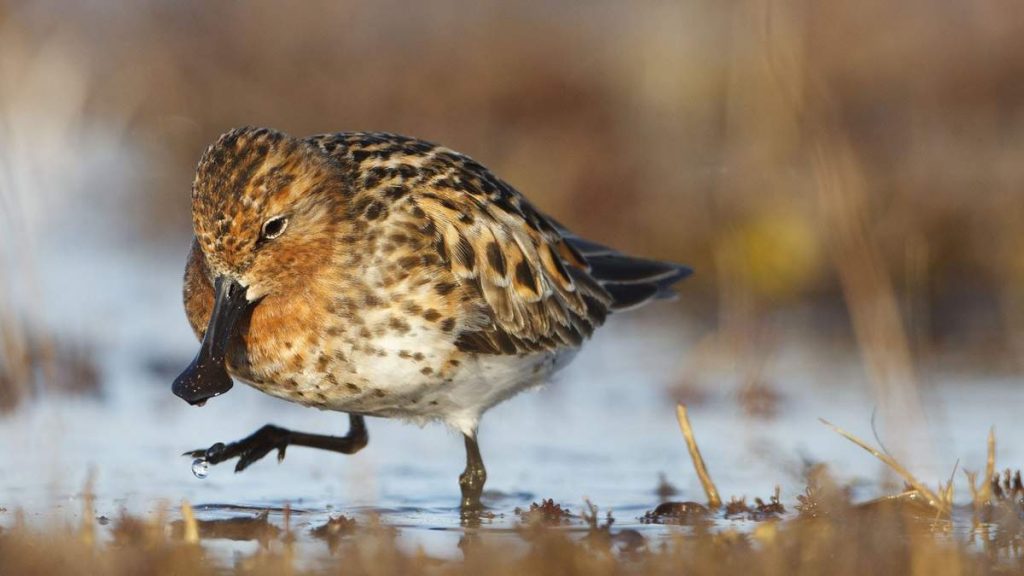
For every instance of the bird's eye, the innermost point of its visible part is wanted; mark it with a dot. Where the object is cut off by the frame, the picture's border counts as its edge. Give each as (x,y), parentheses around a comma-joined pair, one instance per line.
(274,227)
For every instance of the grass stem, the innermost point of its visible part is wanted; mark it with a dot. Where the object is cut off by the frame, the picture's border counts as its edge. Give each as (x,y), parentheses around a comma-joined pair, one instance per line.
(714,501)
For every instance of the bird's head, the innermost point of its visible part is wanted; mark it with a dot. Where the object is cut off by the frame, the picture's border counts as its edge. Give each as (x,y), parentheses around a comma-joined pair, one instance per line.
(264,209)
(264,212)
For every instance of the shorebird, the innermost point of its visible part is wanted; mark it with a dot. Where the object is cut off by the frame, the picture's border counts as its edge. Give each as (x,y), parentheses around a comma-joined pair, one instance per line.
(381,275)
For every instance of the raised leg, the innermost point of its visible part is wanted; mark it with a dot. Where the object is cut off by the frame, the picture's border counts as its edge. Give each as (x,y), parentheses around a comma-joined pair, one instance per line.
(270,437)
(473,477)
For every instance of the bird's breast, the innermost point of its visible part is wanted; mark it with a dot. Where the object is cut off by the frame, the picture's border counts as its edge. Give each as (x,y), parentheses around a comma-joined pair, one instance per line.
(353,354)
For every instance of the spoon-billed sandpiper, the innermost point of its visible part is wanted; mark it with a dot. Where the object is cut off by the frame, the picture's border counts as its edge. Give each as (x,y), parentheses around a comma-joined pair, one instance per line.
(381,275)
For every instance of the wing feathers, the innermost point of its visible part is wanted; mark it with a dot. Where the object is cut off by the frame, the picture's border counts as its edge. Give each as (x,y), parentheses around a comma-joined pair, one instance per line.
(534,286)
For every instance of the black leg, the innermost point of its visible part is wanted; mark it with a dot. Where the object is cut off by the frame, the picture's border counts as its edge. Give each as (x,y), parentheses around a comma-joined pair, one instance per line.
(473,478)
(270,437)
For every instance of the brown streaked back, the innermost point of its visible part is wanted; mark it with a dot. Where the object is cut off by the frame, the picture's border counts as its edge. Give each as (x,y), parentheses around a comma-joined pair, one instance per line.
(537,286)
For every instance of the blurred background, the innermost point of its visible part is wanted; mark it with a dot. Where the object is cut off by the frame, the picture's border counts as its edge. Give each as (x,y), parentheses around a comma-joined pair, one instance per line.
(845,177)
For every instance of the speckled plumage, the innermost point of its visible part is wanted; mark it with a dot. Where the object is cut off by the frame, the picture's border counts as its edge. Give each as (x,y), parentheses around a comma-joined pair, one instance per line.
(410,281)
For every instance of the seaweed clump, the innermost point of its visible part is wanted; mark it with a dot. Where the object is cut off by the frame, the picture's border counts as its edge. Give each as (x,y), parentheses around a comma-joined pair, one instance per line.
(761,510)
(546,513)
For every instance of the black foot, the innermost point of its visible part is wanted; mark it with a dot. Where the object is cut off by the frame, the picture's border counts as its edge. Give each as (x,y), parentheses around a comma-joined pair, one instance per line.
(247,450)
(270,437)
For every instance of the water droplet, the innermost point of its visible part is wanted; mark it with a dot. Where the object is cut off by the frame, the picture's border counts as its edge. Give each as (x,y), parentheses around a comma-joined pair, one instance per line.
(200,468)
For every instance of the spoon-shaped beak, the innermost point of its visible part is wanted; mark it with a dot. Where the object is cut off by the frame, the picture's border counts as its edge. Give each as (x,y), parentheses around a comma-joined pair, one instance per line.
(207,375)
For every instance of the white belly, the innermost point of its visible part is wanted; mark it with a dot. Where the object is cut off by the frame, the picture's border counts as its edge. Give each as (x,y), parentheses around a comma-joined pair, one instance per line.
(458,397)
(412,376)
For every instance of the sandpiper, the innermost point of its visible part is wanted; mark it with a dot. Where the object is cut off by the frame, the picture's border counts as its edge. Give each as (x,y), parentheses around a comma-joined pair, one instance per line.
(381,275)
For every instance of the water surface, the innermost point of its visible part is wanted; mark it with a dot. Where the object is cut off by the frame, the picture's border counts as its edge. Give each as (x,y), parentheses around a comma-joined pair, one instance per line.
(603,431)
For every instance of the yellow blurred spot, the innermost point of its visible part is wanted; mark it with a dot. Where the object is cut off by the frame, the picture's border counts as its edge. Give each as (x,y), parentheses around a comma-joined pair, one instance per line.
(777,253)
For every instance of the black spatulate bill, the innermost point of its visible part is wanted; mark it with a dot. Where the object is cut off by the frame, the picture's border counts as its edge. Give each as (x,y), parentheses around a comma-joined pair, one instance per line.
(207,375)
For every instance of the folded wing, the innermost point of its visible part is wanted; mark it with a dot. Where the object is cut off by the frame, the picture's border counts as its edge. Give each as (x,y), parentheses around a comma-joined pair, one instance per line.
(541,286)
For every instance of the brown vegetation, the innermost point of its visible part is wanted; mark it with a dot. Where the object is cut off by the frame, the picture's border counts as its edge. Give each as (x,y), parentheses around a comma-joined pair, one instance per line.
(31,365)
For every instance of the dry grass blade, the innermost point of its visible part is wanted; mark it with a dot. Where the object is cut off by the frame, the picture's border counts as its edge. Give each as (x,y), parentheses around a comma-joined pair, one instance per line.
(939,504)
(191,535)
(714,501)
(985,494)
(87,532)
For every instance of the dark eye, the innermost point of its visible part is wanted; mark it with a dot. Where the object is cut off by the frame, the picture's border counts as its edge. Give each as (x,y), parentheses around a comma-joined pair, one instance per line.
(274,227)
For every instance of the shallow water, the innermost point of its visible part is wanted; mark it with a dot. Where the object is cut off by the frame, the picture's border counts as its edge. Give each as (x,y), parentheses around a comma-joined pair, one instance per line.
(604,430)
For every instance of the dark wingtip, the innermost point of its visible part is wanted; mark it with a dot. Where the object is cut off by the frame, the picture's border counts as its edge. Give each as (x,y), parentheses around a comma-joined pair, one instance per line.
(658,286)
(615,268)
(627,296)
(680,272)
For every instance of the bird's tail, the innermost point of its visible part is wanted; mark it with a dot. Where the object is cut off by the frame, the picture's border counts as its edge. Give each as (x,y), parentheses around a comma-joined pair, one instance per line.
(630,281)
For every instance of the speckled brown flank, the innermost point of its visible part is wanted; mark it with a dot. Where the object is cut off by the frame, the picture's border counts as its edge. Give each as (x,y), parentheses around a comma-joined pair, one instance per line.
(398,325)
(374,211)
(431,315)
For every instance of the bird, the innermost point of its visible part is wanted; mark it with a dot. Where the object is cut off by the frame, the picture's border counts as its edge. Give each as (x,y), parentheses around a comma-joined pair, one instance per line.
(381,275)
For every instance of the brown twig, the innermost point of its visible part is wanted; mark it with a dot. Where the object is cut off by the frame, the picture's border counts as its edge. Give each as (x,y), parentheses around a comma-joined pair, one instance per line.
(714,501)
